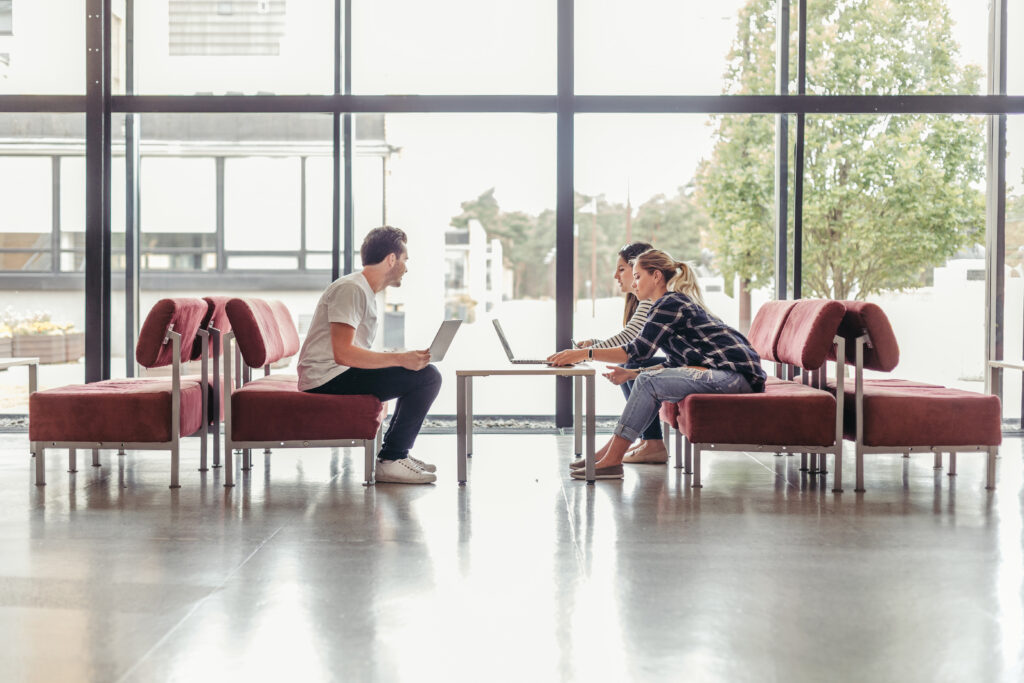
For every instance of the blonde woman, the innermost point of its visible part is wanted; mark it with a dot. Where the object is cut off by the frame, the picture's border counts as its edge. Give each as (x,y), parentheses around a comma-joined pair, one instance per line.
(704,355)
(651,448)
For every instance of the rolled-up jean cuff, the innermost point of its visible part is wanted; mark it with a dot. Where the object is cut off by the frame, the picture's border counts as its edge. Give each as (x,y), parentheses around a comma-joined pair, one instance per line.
(626,432)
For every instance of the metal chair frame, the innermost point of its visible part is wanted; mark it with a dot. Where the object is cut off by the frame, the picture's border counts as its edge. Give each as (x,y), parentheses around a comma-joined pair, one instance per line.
(687,453)
(39,447)
(860,449)
(370,446)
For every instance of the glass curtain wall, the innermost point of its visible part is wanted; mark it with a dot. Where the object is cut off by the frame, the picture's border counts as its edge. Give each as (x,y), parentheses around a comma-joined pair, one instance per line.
(669,181)
(238,186)
(481,242)
(1013,302)
(42,200)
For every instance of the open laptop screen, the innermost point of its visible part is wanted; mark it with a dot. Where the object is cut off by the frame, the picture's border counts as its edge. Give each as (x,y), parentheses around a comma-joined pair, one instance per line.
(443,339)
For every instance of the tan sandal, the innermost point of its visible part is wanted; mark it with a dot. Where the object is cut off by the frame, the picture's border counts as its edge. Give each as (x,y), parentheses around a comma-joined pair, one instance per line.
(652,455)
(609,472)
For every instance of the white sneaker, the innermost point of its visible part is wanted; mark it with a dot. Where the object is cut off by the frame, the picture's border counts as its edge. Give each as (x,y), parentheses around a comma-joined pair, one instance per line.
(425,466)
(402,472)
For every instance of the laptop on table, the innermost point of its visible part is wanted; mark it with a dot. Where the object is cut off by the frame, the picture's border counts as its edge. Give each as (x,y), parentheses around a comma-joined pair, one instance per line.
(508,349)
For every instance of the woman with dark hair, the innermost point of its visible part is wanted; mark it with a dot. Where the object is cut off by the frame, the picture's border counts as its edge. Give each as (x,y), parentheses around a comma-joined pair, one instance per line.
(704,355)
(651,448)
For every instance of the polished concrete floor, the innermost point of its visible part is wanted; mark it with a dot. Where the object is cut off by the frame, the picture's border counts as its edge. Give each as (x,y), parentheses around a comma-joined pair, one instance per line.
(302,574)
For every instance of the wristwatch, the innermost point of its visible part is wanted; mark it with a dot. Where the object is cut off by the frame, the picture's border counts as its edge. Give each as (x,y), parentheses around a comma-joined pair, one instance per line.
(590,353)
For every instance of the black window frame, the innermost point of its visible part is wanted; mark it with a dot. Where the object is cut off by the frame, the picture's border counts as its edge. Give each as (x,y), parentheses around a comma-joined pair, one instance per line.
(99,104)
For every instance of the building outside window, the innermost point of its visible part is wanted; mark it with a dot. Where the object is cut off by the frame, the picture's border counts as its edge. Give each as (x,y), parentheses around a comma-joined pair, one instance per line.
(892,207)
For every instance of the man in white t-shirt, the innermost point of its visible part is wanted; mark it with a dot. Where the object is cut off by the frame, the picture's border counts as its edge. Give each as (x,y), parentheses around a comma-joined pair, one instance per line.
(336,356)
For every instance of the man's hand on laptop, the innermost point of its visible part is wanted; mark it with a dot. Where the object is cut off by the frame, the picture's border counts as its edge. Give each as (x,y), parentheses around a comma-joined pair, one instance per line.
(567,357)
(414,360)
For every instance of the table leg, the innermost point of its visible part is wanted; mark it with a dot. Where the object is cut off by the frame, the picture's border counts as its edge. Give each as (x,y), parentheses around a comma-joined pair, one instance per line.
(591,426)
(460,427)
(32,377)
(577,423)
(469,416)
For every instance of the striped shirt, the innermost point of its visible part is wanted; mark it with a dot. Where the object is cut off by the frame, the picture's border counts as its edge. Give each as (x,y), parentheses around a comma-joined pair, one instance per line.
(689,335)
(628,333)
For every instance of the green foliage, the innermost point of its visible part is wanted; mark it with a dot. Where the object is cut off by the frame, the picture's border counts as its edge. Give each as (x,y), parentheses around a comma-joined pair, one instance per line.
(885,197)
(674,224)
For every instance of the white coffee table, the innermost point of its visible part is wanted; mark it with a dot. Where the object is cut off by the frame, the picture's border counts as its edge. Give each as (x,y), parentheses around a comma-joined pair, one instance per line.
(33,365)
(464,406)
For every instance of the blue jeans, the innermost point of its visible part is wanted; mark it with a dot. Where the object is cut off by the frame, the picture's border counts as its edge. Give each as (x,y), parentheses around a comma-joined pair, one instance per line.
(653,430)
(414,389)
(672,384)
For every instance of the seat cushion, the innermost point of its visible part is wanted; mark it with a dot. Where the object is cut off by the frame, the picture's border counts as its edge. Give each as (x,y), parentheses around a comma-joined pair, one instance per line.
(273,409)
(786,414)
(286,328)
(808,332)
(882,353)
(116,410)
(768,323)
(182,315)
(256,331)
(216,318)
(669,413)
(904,413)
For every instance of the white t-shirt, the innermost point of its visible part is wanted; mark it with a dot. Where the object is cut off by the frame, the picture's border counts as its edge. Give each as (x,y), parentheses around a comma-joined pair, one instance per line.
(349,300)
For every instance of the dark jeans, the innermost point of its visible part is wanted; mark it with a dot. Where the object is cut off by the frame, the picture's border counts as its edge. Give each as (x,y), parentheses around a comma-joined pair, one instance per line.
(414,389)
(653,430)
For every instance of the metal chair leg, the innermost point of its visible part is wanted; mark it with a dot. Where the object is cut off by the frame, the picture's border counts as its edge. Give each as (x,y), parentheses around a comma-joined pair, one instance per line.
(696,468)
(859,466)
(369,455)
(679,449)
(837,470)
(175,457)
(229,466)
(40,465)
(990,470)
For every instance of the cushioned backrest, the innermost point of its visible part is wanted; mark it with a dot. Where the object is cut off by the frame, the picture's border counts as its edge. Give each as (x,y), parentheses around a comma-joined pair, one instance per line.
(882,352)
(286,326)
(216,317)
(256,333)
(764,331)
(183,315)
(807,334)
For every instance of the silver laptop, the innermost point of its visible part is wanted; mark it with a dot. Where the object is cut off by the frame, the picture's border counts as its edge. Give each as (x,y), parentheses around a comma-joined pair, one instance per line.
(508,349)
(443,339)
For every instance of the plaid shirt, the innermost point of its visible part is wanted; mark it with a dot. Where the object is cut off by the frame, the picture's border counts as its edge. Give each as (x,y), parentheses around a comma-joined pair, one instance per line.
(689,335)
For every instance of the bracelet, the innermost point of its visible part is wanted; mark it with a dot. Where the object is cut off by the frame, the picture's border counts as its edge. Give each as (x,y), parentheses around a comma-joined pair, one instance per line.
(590,353)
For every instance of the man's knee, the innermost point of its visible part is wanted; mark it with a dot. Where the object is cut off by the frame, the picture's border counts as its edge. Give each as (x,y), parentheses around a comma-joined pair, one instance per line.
(430,375)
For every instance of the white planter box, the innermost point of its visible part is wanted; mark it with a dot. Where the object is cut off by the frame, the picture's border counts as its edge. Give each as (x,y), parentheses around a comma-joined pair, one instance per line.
(74,346)
(48,348)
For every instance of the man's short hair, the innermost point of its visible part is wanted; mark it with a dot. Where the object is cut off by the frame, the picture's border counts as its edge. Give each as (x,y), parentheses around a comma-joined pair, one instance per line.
(380,242)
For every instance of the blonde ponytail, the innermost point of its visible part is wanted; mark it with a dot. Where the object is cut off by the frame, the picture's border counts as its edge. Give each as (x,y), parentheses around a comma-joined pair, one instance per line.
(679,277)
(685,282)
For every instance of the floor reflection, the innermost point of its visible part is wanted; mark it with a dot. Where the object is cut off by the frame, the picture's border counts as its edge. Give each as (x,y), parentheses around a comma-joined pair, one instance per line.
(522,574)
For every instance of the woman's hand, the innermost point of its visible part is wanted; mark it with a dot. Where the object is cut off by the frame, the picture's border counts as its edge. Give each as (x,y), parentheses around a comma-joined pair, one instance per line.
(585,344)
(567,357)
(617,374)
